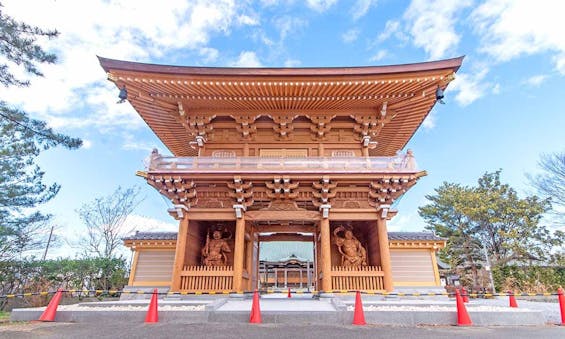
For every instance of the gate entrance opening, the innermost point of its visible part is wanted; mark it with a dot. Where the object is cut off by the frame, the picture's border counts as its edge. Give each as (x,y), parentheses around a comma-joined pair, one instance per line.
(286,265)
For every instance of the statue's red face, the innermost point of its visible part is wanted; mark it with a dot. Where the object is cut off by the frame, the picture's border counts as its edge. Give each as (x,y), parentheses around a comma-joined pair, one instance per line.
(216,235)
(348,235)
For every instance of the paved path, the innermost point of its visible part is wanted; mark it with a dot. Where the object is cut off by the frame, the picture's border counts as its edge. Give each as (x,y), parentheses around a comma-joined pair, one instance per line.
(271,331)
(286,305)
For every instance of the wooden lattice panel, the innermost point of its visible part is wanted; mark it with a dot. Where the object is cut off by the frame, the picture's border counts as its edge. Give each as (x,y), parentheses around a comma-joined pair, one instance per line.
(206,278)
(367,278)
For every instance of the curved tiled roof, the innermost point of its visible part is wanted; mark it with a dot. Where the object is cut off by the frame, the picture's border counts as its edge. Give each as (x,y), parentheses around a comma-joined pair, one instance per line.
(157,92)
(413,236)
(152,236)
(391,236)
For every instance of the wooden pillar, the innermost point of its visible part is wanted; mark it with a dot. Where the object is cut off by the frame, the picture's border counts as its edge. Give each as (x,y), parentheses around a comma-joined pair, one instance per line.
(180,253)
(308,276)
(134,267)
(238,254)
(249,262)
(434,265)
(326,254)
(385,253)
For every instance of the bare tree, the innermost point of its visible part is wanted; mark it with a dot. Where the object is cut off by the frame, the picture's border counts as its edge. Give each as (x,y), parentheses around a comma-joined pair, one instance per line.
(551,183)
(105,221)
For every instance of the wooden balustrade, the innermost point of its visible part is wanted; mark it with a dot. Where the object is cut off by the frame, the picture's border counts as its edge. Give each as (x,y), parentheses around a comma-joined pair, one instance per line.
(367,278)
(206,278)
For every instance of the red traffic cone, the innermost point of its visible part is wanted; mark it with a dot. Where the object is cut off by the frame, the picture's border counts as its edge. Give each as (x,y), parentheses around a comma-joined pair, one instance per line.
(512,299)
(463,318)
(152,313)
(289,296)
(51,310)
(255,316)
(561,298)
(465,295)
(358,314)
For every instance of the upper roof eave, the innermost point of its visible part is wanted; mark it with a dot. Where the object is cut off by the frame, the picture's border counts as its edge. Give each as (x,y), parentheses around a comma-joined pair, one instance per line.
(113,65)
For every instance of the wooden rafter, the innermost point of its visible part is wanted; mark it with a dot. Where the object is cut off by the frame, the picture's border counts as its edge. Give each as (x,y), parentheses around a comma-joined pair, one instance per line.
(157,90)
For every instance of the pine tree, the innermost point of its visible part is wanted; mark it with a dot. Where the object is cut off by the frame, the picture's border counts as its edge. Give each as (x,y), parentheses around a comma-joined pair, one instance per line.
(22,139)
(489,216)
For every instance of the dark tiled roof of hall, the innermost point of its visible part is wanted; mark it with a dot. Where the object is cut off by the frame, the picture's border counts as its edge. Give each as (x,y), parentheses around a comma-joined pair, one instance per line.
(391,236)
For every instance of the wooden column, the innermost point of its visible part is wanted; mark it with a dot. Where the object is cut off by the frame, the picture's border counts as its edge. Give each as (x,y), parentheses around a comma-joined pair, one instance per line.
(238,253)
(133,268)
(385,253)
(180,253)
(326,254)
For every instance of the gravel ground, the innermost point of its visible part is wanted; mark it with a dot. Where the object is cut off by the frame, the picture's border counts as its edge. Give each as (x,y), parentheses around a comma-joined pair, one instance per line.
(549,309)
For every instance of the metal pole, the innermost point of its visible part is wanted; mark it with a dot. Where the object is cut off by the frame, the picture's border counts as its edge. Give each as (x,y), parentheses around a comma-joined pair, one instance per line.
(489,268)
(48,242)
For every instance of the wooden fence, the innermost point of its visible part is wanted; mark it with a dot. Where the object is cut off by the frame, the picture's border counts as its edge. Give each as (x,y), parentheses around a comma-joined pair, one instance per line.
(366,278)
(206,278)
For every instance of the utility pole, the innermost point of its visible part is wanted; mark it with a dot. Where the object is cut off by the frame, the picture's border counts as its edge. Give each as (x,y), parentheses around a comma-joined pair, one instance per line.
(488,268)
(48,242)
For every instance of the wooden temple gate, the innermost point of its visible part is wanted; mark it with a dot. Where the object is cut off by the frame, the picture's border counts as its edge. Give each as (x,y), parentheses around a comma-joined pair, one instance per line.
(241,272)
(285,152)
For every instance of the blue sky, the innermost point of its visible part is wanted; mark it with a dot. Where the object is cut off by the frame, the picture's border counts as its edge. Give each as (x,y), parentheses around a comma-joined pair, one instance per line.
(505,108)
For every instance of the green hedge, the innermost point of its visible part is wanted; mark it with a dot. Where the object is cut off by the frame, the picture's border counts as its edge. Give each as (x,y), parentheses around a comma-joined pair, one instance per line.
(35,275)
(530,279)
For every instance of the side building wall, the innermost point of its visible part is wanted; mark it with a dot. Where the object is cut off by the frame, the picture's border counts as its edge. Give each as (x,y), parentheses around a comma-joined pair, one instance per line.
(414,267)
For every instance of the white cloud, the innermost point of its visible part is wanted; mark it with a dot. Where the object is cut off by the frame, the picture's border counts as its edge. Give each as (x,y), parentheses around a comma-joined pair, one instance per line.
(130,143)
(496,89)
(128,29)
(209,54)
(510,28)
(469,87)
(287,25)
(403,222)
(431,25)
(380,55)
(292,63)
(248,20)
(247,59)
(320,5)
(144,224)
(361,8)
(536,80)
(391,27)
(86,144)
(430,121)
(350,36)
(560,63)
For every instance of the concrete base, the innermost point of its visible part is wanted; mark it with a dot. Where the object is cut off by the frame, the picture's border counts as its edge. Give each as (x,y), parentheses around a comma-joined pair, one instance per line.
(132,292)
(291,311)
